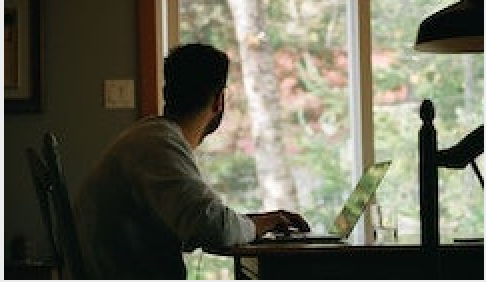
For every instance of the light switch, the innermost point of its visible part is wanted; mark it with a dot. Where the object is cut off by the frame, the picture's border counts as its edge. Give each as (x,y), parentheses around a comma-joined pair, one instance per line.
(119,94)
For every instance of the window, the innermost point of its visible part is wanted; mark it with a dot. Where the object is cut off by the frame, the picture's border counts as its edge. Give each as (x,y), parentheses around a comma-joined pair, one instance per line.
(301,73)
(302,99)
(343,99)
(402,78)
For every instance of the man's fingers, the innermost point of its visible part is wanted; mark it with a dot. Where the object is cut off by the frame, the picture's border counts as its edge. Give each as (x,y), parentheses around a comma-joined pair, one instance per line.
(297,221)
(284,219)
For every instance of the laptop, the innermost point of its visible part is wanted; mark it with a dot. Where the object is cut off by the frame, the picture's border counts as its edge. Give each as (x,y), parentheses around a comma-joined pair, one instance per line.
(349,215)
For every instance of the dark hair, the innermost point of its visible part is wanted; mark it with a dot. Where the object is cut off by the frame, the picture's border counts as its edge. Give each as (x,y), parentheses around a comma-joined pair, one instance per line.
(194,73)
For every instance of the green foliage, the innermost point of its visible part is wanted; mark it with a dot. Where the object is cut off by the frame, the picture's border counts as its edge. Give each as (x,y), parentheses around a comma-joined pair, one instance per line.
(322,161)
(204,266)
(335,107)
(211,28)
(234,177)
(320,130)
(389,78)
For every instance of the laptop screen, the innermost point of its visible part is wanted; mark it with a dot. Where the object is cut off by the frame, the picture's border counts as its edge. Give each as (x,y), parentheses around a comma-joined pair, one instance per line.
(360,198)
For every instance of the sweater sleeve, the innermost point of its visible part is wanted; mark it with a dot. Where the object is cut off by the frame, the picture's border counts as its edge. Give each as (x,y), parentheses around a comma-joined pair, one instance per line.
(200,219)
(169,184)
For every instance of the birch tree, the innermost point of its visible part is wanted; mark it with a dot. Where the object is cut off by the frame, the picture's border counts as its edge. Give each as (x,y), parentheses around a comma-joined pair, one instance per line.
(274,175)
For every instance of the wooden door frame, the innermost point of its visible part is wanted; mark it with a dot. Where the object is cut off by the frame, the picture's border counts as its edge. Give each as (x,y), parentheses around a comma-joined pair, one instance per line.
(147,58)
(158,31)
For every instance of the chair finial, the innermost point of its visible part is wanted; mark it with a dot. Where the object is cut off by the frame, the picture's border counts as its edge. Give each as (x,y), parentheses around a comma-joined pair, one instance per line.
(427,112)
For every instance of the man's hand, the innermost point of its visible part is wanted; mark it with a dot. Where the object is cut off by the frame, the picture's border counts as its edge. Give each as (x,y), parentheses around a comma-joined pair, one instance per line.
(281,221)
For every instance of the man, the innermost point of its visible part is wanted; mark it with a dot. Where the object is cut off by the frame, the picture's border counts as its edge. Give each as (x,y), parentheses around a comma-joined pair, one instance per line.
(144,203)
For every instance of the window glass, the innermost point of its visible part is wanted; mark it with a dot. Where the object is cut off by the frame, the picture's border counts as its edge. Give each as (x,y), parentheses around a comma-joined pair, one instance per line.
(285,138)
(402,79)
(305,87)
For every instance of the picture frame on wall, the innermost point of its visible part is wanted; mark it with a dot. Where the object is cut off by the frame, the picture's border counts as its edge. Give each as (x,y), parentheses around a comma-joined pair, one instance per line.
(22,56)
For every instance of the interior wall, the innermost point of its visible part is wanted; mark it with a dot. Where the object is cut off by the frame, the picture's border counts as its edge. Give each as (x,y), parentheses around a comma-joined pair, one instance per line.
(85,42)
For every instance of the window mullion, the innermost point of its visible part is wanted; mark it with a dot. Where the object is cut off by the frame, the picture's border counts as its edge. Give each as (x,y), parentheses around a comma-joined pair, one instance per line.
(360,101)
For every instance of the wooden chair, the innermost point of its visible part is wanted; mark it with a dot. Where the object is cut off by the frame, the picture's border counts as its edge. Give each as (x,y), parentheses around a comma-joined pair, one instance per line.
(53,263)
(57,214)
(40,178)
(430,159)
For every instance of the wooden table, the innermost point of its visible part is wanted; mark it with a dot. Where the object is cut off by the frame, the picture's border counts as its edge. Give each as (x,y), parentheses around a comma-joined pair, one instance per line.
(342,261)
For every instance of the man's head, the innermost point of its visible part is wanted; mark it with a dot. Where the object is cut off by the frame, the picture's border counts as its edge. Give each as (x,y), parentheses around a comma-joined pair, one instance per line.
(195,76)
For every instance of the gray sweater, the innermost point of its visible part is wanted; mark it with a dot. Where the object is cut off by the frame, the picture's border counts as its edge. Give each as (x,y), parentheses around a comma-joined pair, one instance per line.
(144,203)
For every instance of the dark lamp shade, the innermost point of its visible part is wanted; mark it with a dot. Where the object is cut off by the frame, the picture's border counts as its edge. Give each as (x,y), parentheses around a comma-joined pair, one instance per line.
(458,28)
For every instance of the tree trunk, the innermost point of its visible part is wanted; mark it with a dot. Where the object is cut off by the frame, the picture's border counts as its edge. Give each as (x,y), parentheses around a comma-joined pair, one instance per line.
(260,86)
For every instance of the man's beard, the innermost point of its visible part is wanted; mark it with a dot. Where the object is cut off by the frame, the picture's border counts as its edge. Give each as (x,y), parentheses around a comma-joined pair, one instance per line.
(212,125)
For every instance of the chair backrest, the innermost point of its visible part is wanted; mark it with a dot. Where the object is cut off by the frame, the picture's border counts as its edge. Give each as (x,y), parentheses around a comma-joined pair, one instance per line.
(42,184)
(430,159)
(50,182)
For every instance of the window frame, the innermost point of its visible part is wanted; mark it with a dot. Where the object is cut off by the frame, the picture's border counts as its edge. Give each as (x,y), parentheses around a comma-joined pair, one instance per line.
(158,28)
(361,104)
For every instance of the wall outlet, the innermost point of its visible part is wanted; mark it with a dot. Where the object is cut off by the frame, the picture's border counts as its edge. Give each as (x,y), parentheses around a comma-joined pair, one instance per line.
(119,94)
